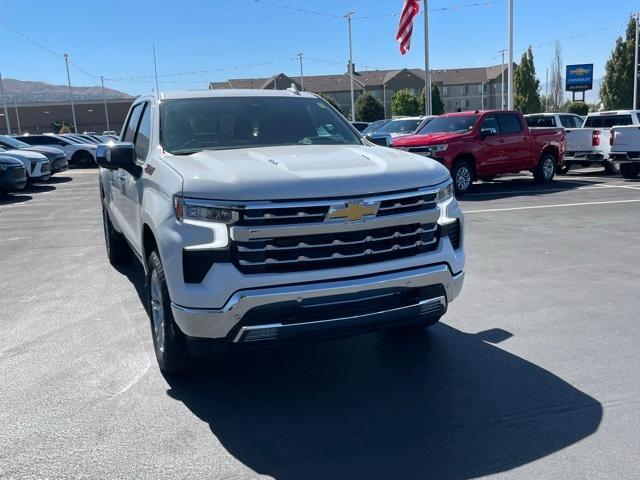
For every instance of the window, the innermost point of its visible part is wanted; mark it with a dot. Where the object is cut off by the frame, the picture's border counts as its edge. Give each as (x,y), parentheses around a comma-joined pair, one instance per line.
(132,123)
(466,104)
(567,121)
(509,123)
(537,121)
(480,88)
(607,121)
(445,91)
(450,124)
(194,124)
(465,89)
(490,122)
(578,121)
(144,133)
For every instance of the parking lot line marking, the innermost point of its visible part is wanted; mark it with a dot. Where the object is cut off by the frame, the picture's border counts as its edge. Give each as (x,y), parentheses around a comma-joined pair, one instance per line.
(533,207)
(548,190)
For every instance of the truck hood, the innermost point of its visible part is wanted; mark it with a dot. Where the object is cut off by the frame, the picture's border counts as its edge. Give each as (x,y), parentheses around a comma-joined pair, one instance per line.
(428,139)
(303,172)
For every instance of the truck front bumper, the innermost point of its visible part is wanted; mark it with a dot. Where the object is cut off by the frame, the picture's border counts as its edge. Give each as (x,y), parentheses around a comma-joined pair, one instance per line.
(326,308)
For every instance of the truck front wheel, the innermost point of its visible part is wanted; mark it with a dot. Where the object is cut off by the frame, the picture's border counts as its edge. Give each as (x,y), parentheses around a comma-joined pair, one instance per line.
(546,168)
(169,342)
(462,174)
(629,170)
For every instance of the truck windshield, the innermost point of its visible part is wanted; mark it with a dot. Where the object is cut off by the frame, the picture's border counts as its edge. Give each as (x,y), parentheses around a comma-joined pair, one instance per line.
(400,126)
(454,124)
(196,124)
(608,121)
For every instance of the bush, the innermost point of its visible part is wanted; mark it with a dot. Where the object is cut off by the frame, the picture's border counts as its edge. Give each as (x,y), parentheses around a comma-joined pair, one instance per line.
(368,108)
(403,102)
(437,105)
(579,108)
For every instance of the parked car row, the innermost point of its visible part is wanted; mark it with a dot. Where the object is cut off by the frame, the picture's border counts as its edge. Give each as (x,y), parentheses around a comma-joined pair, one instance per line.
(34,158)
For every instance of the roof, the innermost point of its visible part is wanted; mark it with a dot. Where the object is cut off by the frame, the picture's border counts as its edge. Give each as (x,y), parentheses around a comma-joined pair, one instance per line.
(233,93)
(368,78)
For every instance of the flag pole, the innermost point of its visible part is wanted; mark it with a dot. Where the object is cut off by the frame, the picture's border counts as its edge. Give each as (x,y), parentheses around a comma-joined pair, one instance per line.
(353,108)
(427,72)
(510,86)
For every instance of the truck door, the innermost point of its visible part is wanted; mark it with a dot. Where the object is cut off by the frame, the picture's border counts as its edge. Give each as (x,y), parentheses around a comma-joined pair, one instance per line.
(132,186)
(492,158)
(120,179)
(516,142)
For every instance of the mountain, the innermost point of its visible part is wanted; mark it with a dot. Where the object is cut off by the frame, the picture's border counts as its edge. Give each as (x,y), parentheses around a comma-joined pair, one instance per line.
(31,92)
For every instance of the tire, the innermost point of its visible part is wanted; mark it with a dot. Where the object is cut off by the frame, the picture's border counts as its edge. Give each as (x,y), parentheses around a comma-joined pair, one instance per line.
(546,168)
(611,168)
(629,170)
(462,174)
(488,178)
(169,342)
(118,250)
(563,169)
(83,159)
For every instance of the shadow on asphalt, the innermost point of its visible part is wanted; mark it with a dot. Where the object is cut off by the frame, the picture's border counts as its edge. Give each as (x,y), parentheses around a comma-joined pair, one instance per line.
(59,178)
(10,198)
(443,404)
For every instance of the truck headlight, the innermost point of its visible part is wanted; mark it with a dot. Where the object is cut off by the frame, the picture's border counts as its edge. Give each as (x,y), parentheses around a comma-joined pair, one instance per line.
(439,148)
(193,209)
(445,193)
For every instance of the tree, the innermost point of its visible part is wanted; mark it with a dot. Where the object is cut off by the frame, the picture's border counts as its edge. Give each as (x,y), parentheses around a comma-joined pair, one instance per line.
(368,108)
(332,101)
(616,91)
(579,108)
(437,106)
(556,87)
(403,102)
(526,85)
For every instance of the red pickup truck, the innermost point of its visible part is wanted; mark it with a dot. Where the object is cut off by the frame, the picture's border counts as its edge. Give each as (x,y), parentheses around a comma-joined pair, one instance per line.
(481,145)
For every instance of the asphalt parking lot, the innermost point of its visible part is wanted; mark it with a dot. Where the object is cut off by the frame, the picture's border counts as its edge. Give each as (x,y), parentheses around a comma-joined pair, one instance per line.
(532,374)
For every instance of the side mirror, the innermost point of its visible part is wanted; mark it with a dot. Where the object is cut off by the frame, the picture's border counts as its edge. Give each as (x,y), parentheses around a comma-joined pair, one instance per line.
(118,155)
(485,132)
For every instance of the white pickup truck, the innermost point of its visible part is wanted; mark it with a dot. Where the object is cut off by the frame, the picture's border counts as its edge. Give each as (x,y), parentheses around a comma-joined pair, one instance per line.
(263,215)
(625,149)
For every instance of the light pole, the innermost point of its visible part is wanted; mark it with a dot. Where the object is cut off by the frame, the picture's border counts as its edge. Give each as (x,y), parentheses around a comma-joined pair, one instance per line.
(510,86)
(104,100)
(384,99)
(482,94)
(427,71)
(15,105)
(301,73)
(635,64)
(546,92)
(353,100)
(4,105)
(502,78)
(73,107)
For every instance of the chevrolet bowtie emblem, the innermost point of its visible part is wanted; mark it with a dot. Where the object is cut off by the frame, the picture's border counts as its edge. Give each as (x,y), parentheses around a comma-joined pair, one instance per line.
(353,211)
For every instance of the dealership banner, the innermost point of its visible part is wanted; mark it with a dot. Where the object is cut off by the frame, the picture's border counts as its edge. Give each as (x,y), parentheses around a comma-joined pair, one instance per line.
(579,77)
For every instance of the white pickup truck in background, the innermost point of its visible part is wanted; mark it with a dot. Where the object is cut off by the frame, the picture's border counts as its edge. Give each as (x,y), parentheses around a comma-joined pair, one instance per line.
(625,149)
(603,122)
(579,142)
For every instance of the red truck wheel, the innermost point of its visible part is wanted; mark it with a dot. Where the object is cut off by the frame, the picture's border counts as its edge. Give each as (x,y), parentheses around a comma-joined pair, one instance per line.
(462,174)
(546,168)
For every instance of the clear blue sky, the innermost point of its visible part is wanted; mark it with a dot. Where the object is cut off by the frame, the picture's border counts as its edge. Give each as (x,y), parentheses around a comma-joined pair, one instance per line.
(114,38)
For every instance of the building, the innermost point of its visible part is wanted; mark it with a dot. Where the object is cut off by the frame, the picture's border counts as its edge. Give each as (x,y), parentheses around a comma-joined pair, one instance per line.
(41,117)
(460,88)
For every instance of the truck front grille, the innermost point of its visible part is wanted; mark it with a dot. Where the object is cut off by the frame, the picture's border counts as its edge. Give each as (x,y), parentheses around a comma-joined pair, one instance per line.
(310,252)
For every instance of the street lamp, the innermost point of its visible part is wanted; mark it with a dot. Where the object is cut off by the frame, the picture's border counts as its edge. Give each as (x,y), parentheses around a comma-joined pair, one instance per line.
(353,102)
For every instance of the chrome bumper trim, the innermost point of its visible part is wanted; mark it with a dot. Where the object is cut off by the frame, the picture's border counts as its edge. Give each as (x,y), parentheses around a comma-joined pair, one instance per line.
(217,323)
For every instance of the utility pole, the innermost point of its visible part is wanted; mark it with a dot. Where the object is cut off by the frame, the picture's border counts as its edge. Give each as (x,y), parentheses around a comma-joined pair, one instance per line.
(482,95)
(427,71)
(502,77)
(510,86)
(353,100)
(15,105)
(384,99)
(4,105)
(73,107)
(546,92)
(635,64)
(104,99)
(301,73)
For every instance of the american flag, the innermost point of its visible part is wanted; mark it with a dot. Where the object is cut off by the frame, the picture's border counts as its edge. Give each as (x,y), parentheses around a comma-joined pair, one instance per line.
(405,27)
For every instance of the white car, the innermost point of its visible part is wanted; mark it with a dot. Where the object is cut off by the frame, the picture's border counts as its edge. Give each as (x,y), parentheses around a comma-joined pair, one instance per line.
(37,165)
(80,154)
(625,149)
(603,122)
(262,216)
